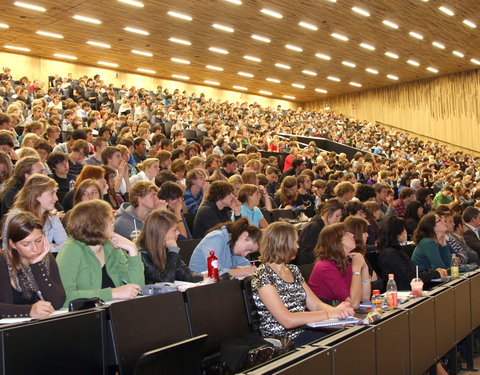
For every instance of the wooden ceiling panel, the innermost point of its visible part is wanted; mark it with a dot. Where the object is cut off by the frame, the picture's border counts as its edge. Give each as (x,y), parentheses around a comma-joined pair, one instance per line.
(246,19)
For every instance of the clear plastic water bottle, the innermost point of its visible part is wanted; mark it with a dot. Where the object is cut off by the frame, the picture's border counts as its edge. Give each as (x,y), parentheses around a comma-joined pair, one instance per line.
(454,270)
(377,301)
(71,184)
(392,295)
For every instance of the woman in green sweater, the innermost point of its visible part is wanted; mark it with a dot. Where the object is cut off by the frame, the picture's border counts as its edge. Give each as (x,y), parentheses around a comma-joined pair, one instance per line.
(93,262)
(431,252)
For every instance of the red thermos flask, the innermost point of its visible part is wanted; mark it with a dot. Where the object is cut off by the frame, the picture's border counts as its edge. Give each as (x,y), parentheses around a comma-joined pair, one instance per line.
(212,263)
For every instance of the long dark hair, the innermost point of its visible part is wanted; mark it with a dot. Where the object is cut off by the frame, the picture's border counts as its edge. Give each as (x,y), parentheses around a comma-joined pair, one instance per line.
(425,228)
(411,212)
(236,228)
(392,227)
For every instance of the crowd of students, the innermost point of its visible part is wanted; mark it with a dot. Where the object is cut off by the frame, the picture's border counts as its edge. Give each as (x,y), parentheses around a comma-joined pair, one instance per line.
(105,178)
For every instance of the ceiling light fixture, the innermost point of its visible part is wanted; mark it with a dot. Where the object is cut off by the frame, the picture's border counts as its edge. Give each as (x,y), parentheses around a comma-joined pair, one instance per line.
(339,36)
(180,61)
(236,2)
(438,45)
(63,56)
(469,24)
(274,80)
(113,65)
(133,3)
(17,48)
(370,70)
(244,74)
(356,84)
(265,92)
(293,48)
(214,67)
(323,56)
(361,11)
(146,71)
(415,35)
(283,66)
(350,64)
(29,6)
(218,50)
(309,72)
(458,53)
(260,38)
(52,35)
(4,26)
(240,88)
(390,24)
(211,82)
(136,31)
(179,15)
(446,10)
(433,70)
(223,28)
(98,44)
(143,53)
(271,13)
(391,76)
(475,61)
(367,46)
(413,62)
(180,41)
(180,76)
(87,19)
(288,97)
(321,91)
(392,55)
(252,58)
(332,78)
(308,26)
(298,85)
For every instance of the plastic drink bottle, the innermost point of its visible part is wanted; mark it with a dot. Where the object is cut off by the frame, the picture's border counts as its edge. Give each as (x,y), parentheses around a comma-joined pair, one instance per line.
(454,270)
(212,264)
(377,301)
(392,296)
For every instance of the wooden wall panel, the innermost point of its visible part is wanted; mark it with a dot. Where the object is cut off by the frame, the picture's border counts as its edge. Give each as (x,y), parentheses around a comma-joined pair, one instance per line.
(446,108)
(40,68)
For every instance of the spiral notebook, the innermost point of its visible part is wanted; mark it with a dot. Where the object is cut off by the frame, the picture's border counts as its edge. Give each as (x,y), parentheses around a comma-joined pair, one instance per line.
(332,323)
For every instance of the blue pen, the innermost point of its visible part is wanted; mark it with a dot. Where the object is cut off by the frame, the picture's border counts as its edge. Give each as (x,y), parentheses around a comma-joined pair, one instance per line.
(39,295)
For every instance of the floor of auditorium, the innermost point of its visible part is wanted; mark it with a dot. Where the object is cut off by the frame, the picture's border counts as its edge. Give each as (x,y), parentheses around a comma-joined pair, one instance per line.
(477,366)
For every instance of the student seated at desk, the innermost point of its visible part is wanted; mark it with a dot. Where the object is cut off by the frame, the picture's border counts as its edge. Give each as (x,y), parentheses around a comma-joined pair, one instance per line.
(284,300)
(333,276)
(30,284)
(91,261)
(159,250)
(232,241)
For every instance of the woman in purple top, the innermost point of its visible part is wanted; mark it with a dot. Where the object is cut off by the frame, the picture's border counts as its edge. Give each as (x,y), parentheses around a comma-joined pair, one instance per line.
(339,274)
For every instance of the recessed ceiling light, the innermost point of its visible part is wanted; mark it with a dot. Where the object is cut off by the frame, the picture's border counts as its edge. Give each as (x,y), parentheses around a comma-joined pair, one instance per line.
(308,26)
(288,97)
(298,85)
(4,26)
(475,61)
(252,58)
(218,50)
(309,72)
(271,13)
(283,66)
(63,56)
(132,2)
(179,15)
(392,55)
(136,31)
(180,41)
(236,2)
(339,36)
(179,76)
(373,71)
(433,70)
(98,44)
(469,24)
(391,76)
(52,35)
(367,46)
(244,74)
(361,11)
(323,56)
(214,67)
(223,28)
(29,6)
(391,24)
(293,48)
(321,90)
(265,92)
(113,65)
(149,71)
(332,1)
(180,61)
(413,62)
(260,38)
(274,80)
(446,10)
(350,64)
(415,35)
(211,82)
(240,88)
(17,48)
(332,78)
(143,53)
(458,53)
(87,19)
(356,84)
(438,45)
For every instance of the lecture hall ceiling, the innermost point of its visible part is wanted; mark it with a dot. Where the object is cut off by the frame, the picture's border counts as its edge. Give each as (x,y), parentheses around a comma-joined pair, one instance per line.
(282,49)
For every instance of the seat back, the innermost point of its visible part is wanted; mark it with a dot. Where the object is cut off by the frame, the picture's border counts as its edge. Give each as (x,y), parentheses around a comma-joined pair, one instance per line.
(306,270)
(250,306)
(279,213)
(186,249)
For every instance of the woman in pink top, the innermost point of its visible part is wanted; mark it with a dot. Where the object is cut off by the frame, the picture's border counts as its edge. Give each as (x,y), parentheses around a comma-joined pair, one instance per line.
(339,274)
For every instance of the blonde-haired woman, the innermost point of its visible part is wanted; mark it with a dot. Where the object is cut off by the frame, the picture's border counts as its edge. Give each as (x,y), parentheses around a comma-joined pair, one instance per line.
(38,196)
(284,300)
(149,168)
